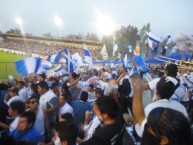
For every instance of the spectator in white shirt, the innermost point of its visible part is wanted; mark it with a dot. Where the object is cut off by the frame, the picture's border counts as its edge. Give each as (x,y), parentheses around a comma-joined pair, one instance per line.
(23,92)
(64,106)
(165,88)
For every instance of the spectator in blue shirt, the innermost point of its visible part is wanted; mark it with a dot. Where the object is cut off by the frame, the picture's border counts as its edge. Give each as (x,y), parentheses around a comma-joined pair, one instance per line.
(25,130)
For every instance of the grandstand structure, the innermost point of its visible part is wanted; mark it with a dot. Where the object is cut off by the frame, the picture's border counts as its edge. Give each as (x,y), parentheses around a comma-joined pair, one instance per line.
(37,46)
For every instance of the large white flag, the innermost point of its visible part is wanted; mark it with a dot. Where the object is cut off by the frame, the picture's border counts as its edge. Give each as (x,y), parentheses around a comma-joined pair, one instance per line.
(115,45)
(152,40)
(32,65)
(77,60)
(87,57)
(104,53)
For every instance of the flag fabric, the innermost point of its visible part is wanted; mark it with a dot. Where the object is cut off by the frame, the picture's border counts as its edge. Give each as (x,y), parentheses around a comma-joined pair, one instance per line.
(88,58)
(115,45)
(104,53)
(134,70)
(153,42)
(55,57)
(32,65)
(44,66)
(77,59)
(58,68)
(140,62)
(69,61)
(125,62)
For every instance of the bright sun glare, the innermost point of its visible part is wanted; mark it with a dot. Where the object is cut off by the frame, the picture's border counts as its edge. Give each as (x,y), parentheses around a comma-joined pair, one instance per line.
(104,24)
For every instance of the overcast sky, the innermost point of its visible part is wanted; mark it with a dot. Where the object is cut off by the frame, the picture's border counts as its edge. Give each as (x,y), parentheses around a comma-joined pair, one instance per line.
(80,16)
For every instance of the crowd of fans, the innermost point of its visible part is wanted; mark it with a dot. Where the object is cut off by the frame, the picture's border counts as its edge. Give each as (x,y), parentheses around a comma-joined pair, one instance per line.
(99,107)
(42,48)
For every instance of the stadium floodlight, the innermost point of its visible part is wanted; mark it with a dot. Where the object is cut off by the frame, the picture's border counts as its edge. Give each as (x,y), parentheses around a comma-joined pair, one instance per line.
(104,24)
(19,21)
(58,21)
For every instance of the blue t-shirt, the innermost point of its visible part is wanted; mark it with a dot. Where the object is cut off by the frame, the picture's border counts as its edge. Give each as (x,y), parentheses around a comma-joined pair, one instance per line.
(80,108)
(29,136)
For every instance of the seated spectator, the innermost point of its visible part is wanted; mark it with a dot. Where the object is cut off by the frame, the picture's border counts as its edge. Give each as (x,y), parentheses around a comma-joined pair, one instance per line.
(166,127)
(25,129)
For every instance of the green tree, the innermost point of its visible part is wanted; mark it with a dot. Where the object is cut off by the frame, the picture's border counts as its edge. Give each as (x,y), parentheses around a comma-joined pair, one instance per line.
(124,36)
(108,41)
(142,33)
(92,37)
(14,31)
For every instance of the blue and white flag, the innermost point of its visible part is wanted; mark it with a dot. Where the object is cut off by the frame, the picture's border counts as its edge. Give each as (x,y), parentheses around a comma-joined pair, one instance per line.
(32,65)
(140,62)
(125,62)
(77,59)
(153,40)
(87,57)
(55,57)
(44,66)
(69,61)
(115,45)
(58,68)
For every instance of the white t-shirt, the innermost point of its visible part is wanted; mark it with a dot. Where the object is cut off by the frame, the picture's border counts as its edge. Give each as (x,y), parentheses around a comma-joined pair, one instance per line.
(180,94)
(64,109)
(45,98)
(15,98)
(90,128)
(103,85)
(14,124)
(147,77)
(160,103)
(39,123)
(188,79)
(24,93)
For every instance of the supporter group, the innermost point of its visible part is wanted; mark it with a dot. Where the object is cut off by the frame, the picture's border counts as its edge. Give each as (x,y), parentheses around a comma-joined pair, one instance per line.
(107,106)
(42,48)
